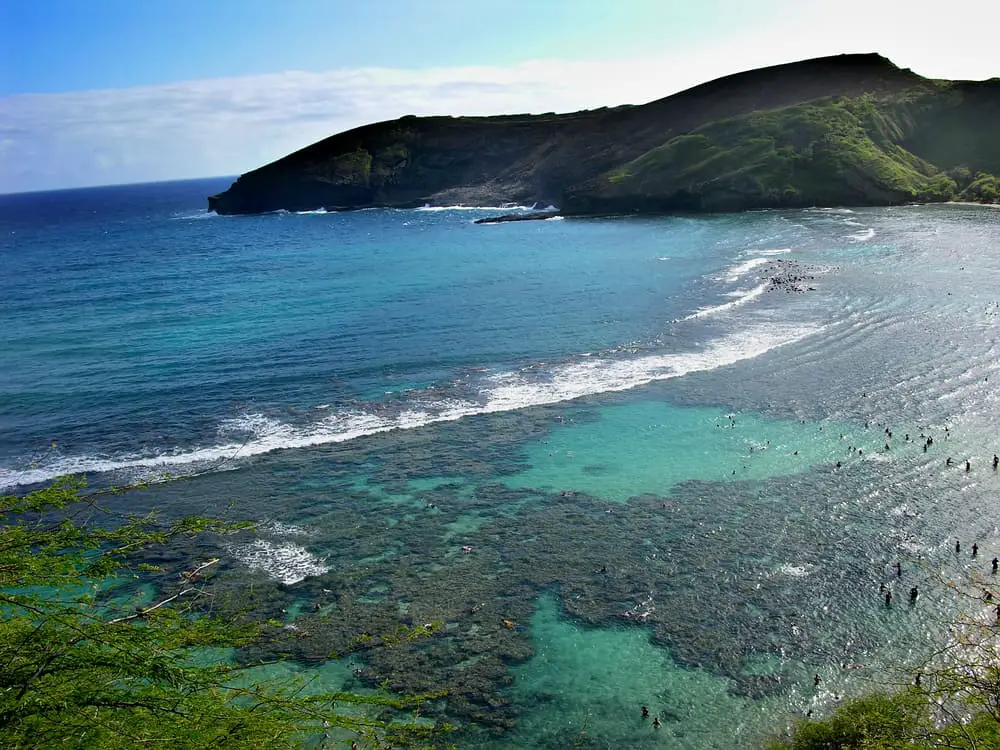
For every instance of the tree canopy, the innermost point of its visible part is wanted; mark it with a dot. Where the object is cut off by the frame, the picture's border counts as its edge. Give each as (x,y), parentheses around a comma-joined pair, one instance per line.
(83,667)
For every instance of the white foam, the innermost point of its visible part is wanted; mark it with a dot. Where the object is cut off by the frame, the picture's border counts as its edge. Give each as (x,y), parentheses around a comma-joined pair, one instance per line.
(287,563)
(314,211)
(775,251)
(251,424)
(742,299)
(734,273)
(592,376)
(795,571)
(475,208)
(864,236)
(507,391)
(277,528)
(195,216)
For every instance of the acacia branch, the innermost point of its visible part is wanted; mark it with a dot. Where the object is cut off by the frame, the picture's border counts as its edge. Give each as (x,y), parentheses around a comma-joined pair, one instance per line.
(146,610)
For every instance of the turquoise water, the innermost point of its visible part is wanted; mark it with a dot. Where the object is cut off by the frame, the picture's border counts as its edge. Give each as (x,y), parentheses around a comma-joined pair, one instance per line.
(603,453)
(659,445)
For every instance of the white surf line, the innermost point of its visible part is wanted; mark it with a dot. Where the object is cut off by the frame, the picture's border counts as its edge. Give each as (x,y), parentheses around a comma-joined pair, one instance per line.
(741,300)
(734,273)
(863,236)
(474,208)
(503,392)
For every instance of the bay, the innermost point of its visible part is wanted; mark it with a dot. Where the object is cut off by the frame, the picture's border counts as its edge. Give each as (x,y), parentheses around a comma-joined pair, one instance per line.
(683,453)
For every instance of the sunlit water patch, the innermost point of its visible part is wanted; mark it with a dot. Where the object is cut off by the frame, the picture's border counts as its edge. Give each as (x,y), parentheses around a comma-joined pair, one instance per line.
(657,445)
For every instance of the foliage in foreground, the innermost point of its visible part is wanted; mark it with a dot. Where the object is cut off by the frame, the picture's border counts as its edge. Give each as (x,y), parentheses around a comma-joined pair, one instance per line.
(892,722)
(954,702)
(78,670)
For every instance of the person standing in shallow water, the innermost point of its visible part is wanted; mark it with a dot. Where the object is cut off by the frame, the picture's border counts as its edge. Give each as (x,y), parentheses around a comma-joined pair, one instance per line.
(996,561)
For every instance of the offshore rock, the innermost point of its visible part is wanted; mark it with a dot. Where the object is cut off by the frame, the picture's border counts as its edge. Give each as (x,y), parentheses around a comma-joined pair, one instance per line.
(522,216)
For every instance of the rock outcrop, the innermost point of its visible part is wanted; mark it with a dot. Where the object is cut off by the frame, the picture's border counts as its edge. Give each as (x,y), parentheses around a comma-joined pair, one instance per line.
(850,129)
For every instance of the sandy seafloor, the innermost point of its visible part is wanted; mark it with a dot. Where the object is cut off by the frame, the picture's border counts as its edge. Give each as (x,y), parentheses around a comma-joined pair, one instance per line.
(669,462)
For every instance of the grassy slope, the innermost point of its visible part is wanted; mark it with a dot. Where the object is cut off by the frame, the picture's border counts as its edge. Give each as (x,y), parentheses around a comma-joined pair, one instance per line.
(825,152)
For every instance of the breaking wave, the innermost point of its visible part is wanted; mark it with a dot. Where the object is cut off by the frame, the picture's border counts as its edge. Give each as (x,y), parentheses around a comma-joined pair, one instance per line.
(743,298)
(511,207)
(254,434)
(734,273)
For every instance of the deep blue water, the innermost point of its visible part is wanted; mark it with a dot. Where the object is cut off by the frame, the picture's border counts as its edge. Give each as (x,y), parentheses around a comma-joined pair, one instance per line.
(136,324)
(434,419)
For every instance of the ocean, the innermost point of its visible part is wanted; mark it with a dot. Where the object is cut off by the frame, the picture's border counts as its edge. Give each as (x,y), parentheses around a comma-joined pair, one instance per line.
(642,461)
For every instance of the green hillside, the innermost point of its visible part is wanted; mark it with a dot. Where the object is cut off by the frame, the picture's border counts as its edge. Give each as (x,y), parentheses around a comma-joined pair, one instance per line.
(844,130)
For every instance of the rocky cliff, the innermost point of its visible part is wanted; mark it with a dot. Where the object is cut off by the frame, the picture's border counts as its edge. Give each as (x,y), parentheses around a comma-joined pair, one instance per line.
(851,129)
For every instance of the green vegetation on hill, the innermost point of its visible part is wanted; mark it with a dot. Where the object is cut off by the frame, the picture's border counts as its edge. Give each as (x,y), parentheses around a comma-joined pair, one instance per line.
(825,152)
(984,189)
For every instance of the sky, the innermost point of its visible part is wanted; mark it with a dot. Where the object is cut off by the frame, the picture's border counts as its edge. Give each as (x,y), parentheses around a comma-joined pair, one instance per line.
(97,92)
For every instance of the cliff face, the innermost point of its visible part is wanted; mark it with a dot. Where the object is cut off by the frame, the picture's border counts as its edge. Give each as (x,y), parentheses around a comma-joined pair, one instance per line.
(847,129)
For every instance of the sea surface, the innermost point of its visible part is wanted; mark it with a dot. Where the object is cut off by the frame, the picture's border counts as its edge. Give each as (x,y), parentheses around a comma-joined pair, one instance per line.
(667,462)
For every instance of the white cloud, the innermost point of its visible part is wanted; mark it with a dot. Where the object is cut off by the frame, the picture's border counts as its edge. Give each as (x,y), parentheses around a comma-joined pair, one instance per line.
(228,126)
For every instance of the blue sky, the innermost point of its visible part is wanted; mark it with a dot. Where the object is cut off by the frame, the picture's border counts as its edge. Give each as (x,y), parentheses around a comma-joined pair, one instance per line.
(106,91)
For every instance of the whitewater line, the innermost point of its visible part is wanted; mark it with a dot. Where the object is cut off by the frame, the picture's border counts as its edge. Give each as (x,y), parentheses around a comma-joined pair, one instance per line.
(502,392)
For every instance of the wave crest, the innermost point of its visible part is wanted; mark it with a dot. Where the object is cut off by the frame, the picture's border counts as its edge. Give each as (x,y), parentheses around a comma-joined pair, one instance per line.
(499,392)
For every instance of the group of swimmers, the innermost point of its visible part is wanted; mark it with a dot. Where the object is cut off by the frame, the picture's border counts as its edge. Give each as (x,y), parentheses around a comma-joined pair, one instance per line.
(914,591)
(968,462)
(656,719)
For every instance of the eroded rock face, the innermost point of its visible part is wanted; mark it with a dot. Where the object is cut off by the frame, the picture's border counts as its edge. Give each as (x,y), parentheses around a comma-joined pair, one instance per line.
(630,159)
